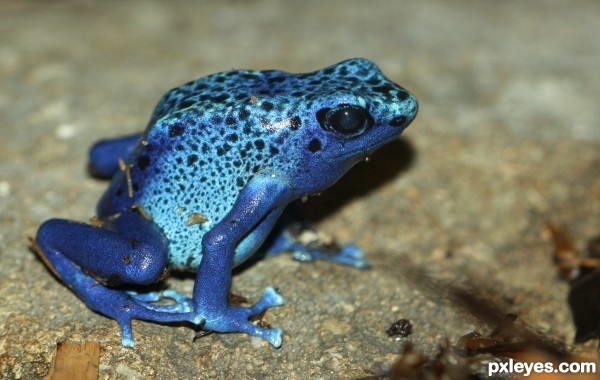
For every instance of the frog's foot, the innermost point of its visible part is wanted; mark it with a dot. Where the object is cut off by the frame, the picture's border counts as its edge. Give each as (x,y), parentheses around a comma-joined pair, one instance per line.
(308,245)
(348,254)
(237,319)
(182,304)
(119,305)
(125,308)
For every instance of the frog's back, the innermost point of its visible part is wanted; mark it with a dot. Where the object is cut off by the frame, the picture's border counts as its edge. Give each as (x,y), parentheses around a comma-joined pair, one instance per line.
(205,141)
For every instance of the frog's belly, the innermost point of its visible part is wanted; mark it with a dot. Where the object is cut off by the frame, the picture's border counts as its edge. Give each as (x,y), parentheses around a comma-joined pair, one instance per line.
(184,228)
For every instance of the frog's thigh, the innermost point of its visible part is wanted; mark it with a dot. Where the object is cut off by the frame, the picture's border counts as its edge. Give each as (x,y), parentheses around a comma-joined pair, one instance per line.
(105,154)
(128,250)
(247,246)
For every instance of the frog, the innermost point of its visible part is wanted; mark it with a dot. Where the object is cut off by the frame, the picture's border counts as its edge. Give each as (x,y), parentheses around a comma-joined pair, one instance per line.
(203,187)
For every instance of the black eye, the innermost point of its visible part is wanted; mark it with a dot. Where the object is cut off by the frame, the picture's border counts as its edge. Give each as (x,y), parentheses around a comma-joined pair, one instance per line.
(346,119)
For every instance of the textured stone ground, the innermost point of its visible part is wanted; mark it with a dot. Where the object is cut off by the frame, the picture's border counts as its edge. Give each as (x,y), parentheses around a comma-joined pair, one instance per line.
(508,137)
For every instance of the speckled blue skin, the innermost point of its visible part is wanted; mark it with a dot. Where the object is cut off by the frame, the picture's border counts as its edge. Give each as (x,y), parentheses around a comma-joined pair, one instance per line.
(205,183)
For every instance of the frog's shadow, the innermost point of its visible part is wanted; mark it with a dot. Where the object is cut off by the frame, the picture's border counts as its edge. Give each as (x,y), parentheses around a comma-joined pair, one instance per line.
(384,165)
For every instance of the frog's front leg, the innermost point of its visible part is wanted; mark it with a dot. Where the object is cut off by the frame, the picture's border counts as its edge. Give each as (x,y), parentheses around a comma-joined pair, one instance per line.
(125,250)
(105,154)
(252,217)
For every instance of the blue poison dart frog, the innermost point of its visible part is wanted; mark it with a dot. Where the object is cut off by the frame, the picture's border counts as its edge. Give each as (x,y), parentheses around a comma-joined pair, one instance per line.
(202,188)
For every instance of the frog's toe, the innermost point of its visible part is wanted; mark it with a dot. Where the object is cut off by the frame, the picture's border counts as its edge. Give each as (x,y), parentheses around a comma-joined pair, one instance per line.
(270,298)
(273,336)
(144,297)
(131,308)
(124,306)
(348,254)
(237,319)
(126,332)
(182,303)
(176,296)
(352,255)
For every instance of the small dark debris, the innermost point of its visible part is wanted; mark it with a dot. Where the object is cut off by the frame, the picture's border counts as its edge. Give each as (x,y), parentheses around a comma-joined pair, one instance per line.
(201,334)
(400,329)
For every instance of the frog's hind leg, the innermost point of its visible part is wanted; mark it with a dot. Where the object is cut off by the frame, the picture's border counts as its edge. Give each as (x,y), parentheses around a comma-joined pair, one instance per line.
(105,155)
(309,245)
(82,254)
(294,234)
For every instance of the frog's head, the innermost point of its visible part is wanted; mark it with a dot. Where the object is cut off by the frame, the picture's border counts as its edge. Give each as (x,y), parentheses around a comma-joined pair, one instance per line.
(352,110)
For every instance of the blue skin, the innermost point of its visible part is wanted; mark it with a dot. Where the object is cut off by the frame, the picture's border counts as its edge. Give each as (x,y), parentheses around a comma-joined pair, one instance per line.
(203,186)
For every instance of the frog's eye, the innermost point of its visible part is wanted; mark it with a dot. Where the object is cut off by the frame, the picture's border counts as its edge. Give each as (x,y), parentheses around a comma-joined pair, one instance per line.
(346,119)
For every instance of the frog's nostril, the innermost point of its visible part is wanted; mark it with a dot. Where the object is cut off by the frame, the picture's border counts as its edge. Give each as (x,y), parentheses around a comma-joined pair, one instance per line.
(399,121)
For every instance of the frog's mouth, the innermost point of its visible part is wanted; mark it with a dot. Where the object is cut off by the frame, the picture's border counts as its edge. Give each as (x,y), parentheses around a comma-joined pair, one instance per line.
(355,156)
